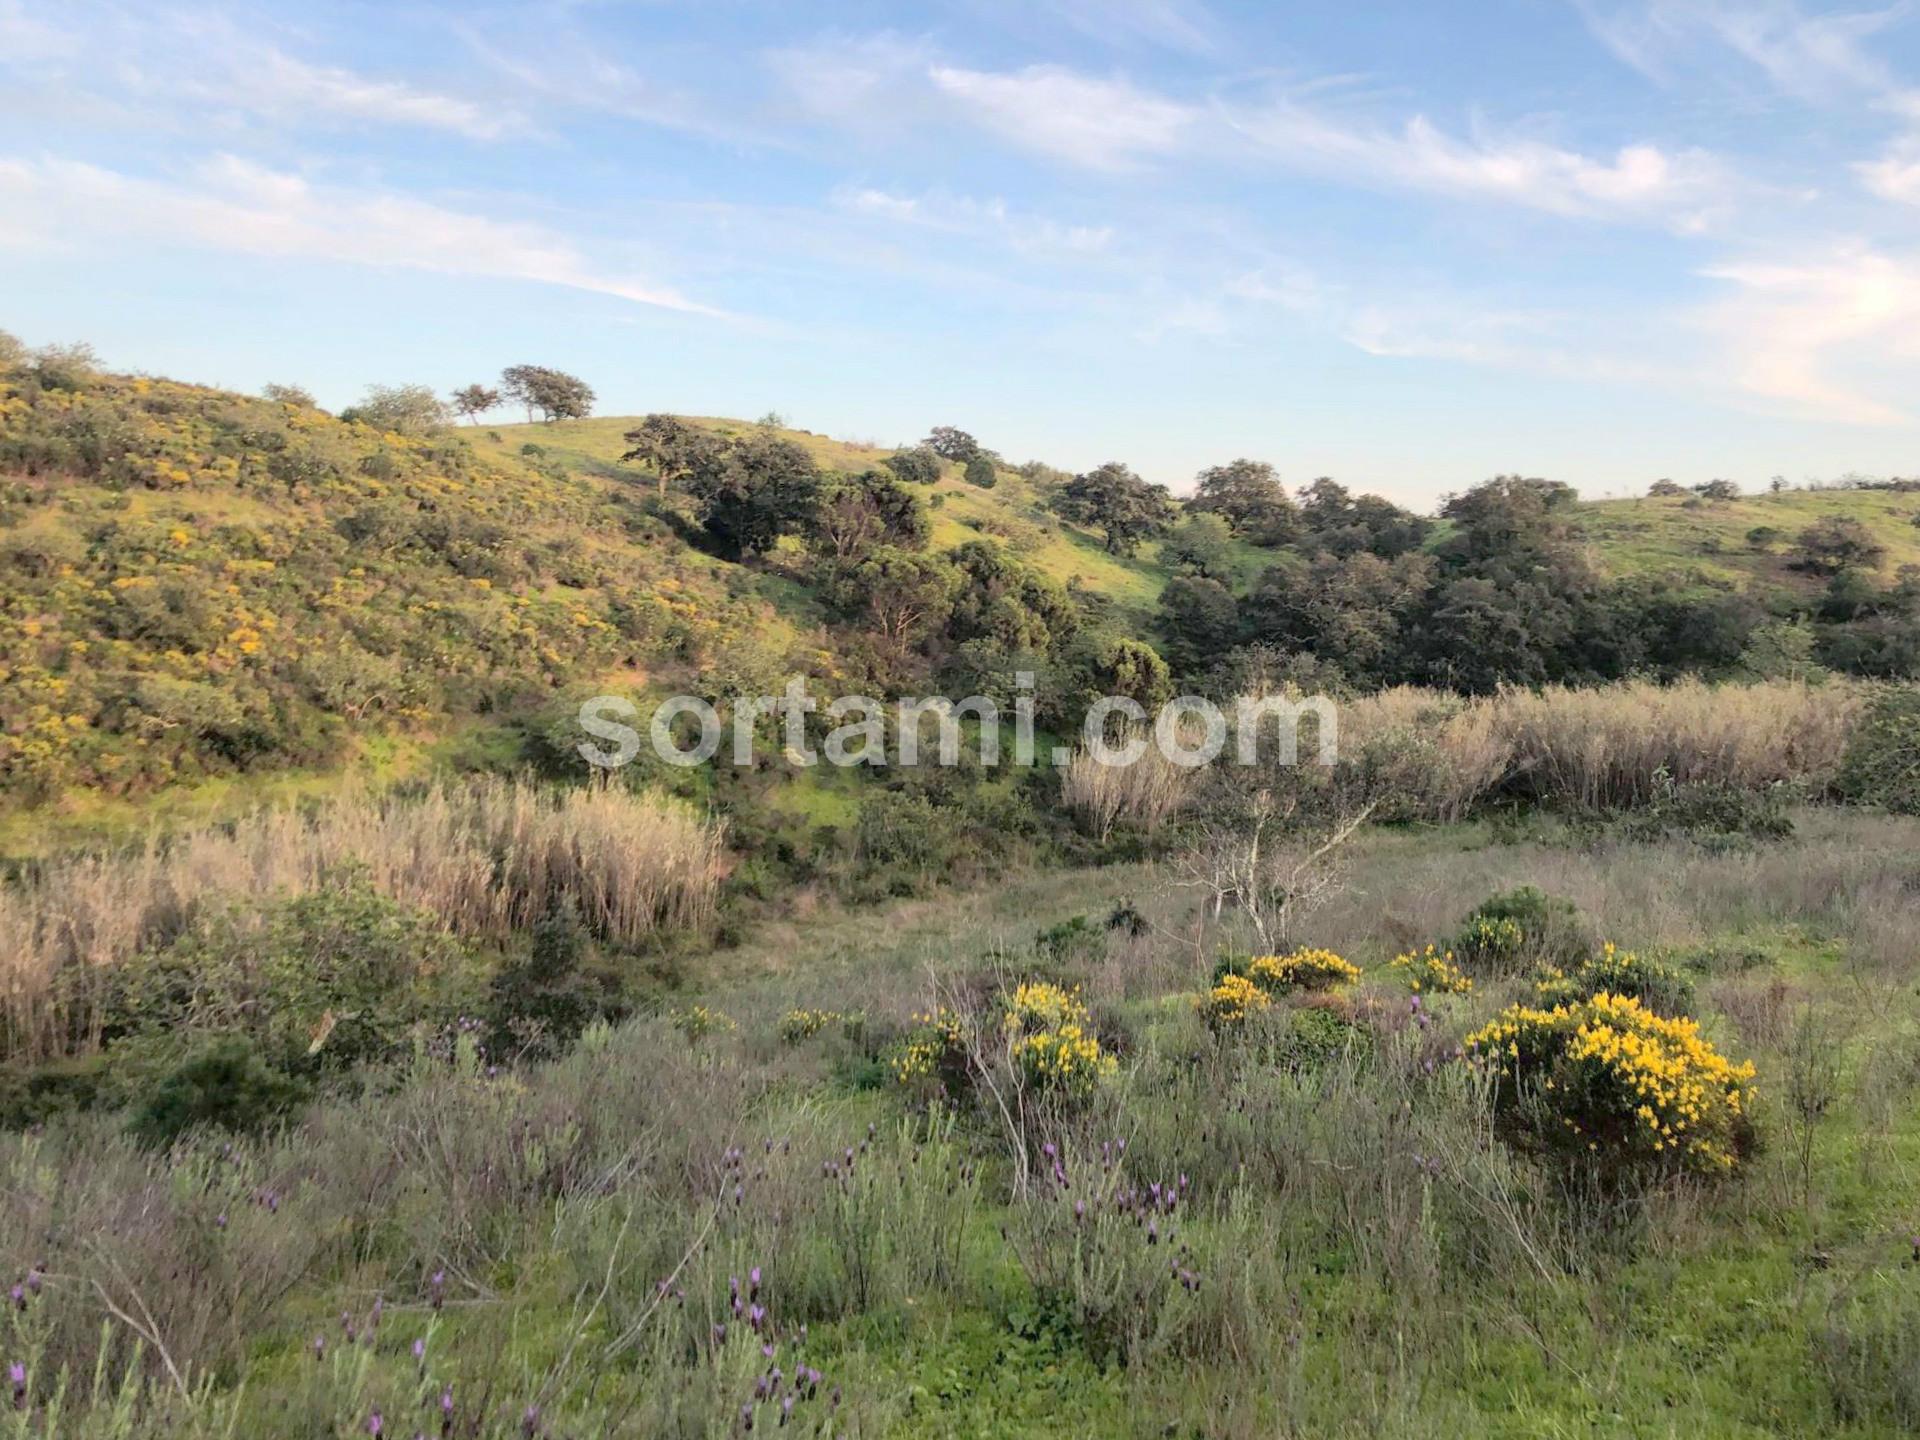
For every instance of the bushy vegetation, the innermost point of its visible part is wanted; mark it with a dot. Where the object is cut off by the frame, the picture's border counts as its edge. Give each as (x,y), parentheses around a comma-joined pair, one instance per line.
(636,1107)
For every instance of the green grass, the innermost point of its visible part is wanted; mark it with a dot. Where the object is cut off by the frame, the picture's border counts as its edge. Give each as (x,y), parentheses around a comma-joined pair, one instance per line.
(1671,534)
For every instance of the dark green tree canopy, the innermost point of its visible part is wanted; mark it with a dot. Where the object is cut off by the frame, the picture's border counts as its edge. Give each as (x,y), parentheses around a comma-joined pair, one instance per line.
(754,490)
(918,464)
(1247,494)
(1118,502)
(1835,544)
(858,513)
(950,443)
(675,449)
(471,401)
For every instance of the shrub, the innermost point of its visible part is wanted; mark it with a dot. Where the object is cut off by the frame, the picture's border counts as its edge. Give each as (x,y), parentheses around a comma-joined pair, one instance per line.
(1050,1040)
(1660,988)
(1882,763)
(1315,1034)
(1433,973)
(1071,941)
(1232,1001)
(1522,928)
(1609,1083)
(800,1025)
(225,1085)
(541,1003)
(1305,969)
(934,1052)
(1714,813)
(323,982)
(1066,1061)
(698,1023)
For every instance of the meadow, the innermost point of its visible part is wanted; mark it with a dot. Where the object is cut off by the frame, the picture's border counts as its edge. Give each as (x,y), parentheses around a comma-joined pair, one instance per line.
(764,1206)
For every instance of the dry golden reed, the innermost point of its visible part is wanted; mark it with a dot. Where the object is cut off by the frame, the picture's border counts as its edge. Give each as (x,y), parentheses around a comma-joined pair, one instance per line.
(487,858)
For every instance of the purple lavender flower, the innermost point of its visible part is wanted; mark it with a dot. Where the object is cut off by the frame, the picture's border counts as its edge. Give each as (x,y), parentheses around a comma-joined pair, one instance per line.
(420,1350)
(17,1376)
(530,1422)
(446,1400)
(753,1281)
(319,1347)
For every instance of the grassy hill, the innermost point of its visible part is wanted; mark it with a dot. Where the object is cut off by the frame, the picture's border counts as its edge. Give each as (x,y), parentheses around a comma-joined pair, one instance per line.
(1675,534)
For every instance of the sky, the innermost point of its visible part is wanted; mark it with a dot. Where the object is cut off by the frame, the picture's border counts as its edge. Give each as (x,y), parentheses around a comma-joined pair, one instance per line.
(1409,245)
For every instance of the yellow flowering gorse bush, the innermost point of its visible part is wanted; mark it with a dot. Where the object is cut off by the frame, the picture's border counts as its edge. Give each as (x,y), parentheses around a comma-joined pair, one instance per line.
(1052,1042)
(935,1052)
(1433,973)
(1609,1078)
(1616,972)
(1305,969)
(1232,1001)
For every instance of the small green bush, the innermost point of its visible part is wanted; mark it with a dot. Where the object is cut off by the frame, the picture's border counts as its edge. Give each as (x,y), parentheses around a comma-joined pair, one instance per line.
(1713,813)
(540,1003)
(225,1085)
(323,982)
(1882,763)
(1523,929)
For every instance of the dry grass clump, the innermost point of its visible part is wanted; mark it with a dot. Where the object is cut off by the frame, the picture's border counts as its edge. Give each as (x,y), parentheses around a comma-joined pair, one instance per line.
(1145,793)
(486,858)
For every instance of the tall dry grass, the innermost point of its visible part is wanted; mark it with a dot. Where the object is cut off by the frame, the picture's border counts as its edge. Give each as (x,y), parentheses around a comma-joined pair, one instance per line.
(1433,755)
(1145,793)
(487,858)
(1609,748)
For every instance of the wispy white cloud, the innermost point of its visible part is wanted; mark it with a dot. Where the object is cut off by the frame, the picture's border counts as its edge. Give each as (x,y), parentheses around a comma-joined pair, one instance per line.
(961,215)
(1836,334)
(1810,57)
(1682,188)
(1104,124)
(236,206)
(1183,25)
(268,81)
(202,63)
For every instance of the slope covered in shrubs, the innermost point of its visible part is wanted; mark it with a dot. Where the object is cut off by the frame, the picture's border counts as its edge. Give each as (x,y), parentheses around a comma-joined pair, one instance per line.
(196,583)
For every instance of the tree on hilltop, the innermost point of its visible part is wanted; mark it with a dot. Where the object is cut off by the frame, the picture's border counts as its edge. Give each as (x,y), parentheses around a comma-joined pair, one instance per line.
(951,443)
(554,393)
(473,401)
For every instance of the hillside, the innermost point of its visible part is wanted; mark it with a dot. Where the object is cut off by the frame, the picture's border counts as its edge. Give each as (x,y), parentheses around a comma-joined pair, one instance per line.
(1657,534)
(214,598)
(1013,512)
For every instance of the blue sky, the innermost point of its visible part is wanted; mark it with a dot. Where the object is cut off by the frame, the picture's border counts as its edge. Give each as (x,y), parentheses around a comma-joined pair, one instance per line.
(1409,245)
